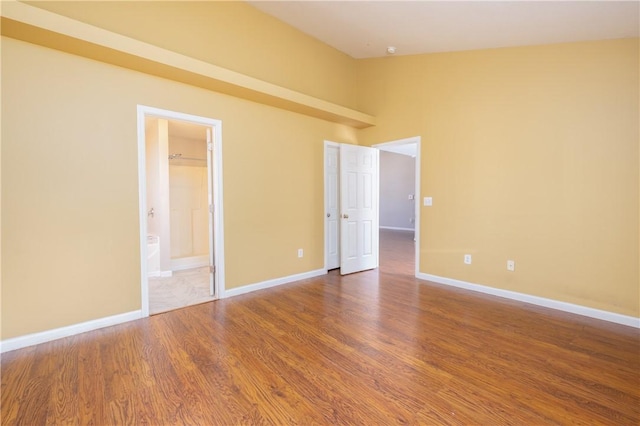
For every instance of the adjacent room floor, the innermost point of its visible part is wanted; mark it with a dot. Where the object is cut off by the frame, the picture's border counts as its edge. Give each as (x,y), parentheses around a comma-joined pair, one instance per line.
(184,288)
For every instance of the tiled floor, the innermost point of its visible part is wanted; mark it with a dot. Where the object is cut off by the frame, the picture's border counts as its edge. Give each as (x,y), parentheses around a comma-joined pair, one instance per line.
(184,288)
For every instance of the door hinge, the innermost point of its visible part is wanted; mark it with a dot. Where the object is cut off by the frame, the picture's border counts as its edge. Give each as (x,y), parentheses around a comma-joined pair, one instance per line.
(209,146)
(212,269)
(210,208)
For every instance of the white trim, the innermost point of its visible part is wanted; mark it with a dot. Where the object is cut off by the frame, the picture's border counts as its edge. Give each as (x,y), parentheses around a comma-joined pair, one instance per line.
(405,141)
(146,111)
(418,141)
(70,330)
(161,274)
(142,213)
(182,263)
(274,282)
(395,228)
(218,213)
(536,300)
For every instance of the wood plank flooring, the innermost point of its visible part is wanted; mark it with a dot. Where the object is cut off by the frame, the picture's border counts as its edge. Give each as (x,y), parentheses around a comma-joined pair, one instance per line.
(378,347)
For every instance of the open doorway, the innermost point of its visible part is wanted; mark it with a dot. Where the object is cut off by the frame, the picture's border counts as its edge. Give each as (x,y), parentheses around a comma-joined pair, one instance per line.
(180,161)
(404,248)
(178,193)
(399,205)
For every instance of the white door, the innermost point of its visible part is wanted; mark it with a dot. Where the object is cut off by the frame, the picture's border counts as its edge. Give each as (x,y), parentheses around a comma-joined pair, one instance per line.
(210,175)
(332,203)
(359,207)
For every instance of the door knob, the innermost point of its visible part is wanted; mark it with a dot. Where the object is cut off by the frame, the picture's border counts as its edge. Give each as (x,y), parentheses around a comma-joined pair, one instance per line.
(328,214)
(346,216)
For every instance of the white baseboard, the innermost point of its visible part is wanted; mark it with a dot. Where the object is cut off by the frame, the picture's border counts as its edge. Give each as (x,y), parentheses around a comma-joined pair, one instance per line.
(58,333)
(536,300)
(272,283)
(396,228)
(182,263)
(156,274)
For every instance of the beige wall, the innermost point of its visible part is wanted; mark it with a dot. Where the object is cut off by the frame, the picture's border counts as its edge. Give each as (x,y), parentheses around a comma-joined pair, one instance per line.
(230,34)
(530,154)
(70,239)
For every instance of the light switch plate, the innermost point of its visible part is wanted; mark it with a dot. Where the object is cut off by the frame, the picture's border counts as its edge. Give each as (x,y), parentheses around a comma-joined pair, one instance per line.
(428,201)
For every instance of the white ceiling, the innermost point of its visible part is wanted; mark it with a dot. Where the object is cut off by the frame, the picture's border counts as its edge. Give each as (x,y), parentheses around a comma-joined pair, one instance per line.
(364,29)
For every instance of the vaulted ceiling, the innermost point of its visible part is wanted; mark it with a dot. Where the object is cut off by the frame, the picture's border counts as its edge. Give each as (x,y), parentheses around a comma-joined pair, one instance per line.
(364,29)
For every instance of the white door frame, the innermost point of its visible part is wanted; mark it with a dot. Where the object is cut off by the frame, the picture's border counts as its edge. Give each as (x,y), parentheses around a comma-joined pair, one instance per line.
(417,140)
(218,220)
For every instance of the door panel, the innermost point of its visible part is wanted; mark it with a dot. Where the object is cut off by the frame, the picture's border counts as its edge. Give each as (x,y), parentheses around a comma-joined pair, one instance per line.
(351,249)
(367,244)
(332,201)
(352,191)
(359,205)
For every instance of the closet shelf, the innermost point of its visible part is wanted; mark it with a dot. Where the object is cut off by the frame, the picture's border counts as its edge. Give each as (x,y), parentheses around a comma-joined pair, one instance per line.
(31,24)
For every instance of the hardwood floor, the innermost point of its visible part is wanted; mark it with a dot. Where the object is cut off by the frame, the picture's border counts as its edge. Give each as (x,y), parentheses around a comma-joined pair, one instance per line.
(378,347)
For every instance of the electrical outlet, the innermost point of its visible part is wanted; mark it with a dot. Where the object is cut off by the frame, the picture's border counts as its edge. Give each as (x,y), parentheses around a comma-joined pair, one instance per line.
(300,252)
(467,259)
(511,265)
